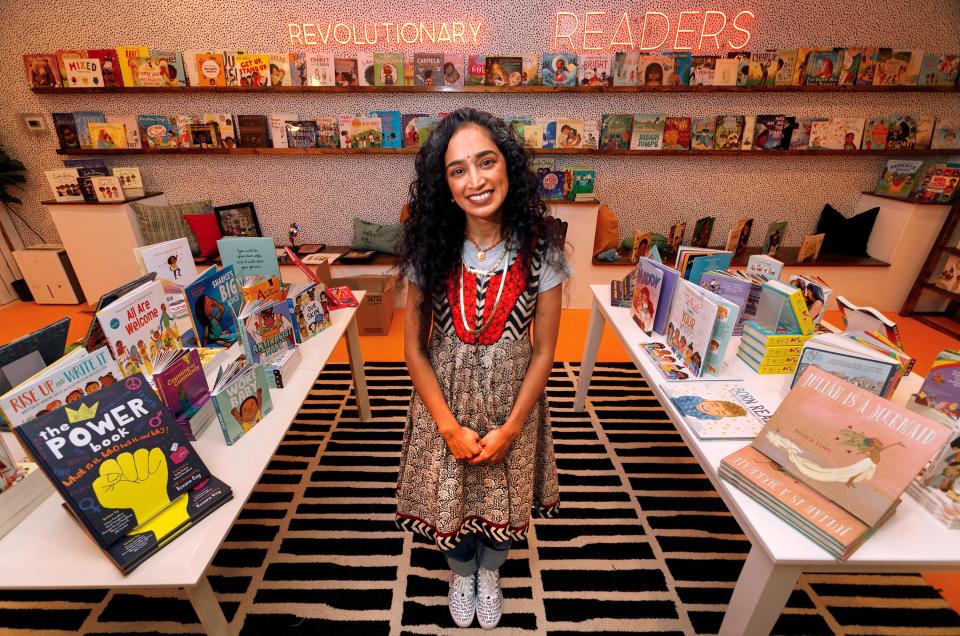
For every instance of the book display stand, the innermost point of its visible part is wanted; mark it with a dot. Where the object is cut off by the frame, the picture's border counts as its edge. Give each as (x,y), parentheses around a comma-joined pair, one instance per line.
(48,550)
(912,540)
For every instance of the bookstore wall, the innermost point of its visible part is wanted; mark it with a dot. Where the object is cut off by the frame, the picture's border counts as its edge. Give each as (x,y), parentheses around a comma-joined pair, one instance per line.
(325,192)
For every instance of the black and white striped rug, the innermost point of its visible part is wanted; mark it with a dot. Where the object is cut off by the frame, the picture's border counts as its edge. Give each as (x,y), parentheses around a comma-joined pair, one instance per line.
(643,542)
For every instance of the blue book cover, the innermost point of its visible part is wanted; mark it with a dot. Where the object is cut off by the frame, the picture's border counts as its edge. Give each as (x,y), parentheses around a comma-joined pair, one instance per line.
(390,126)
(249,256)
(242,402)
(117,457)
(82,119)
(707,262)
(550,134)
(158,131)
(727,314)
(88,167)
(736,290)
(213,301)
(558,69)
(682,64)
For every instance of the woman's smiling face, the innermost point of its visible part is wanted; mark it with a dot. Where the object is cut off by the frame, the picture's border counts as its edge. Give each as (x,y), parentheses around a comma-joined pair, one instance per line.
(476,173)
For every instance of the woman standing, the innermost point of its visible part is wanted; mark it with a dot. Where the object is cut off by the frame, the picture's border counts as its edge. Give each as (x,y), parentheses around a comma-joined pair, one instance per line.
(482,262)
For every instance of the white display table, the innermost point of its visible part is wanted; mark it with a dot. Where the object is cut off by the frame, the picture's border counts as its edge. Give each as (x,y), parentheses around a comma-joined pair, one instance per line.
(49,550)
(911,541)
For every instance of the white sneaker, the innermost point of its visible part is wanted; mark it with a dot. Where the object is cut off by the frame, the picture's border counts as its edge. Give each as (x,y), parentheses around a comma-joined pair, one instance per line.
(462,599)
(489,598)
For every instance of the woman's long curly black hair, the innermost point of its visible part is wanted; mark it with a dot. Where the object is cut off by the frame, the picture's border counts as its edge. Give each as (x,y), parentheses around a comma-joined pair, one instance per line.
(433,234)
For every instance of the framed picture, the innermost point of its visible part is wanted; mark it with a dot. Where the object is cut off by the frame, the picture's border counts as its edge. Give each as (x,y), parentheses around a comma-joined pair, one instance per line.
(238,219)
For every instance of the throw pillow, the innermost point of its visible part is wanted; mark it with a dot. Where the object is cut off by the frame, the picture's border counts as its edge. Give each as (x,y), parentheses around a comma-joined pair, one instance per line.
(404,213)
(846,236)
(206,231)
(373,236)
(608,230)
(160,223)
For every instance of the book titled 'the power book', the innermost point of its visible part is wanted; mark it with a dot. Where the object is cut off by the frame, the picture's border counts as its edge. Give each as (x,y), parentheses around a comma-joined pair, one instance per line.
(125,470)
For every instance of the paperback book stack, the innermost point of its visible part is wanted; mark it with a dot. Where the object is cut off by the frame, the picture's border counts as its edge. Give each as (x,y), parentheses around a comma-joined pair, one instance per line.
(771,342)
(182,386)
(834,460)
(125,470)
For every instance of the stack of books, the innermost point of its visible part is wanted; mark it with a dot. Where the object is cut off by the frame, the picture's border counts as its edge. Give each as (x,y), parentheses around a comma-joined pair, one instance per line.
(621,291)
(829,468)
(771,341)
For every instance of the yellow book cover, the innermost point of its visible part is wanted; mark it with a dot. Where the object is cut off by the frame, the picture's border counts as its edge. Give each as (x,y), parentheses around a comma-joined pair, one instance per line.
(125,54)
(108,136)
(783,361)
(799,306)
(210,69)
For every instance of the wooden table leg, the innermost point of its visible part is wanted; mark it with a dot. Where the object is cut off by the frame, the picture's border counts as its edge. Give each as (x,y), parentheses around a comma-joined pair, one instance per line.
(760,595)
(208,609)
(356,367)
(590,347)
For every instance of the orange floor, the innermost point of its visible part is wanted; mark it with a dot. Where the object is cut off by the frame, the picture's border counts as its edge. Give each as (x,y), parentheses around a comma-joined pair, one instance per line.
(924,343)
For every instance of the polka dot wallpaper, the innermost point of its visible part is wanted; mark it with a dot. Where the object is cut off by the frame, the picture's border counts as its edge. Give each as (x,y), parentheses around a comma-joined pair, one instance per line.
(324,193)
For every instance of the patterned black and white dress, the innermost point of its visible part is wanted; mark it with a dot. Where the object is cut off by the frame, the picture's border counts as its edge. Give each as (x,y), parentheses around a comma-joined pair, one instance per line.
(438,496)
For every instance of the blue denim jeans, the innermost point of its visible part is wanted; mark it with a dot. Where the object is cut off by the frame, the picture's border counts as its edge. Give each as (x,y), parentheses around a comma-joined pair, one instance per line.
(477,551)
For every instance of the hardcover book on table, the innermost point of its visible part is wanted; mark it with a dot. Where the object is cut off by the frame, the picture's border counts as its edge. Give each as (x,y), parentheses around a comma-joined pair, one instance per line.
(867,319)
(241,398)
(648,132)
(690,325)
(692,262)
(309,309)
(139,327)
(182,386)
(702,231)
(719,410)
(173,263)
(850,361)
(267,328)
(126,472)
(816,294)
(213,300)
(249,256)
(723,327)
(646,294)
(743,292)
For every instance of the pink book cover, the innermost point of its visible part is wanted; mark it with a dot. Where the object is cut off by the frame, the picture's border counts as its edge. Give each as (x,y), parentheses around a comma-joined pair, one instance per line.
(857,449)
(769,478)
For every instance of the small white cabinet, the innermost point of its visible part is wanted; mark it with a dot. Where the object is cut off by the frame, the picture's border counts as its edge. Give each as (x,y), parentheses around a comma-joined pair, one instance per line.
(49,275)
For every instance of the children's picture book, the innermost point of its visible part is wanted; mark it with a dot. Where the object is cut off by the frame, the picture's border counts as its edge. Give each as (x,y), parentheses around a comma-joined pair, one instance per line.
(949,277)
(704,132)
(902,131)
(641,245)
(388,69)
(267,328)
(569,133)
(503,70)
(675,238)
(209,68)
(774,238)
(703,70)
(739,236)
(241,398)
(320,69)
(743,291)
(595,69)
(328,132)
(850,361)
(181,384)
(768,132)
(64,185)
(875,133)
(655,70)
(476,70)
(823,67)
(690,325)
(558,69)
(127,56)
(213,301)
(158,131)
(139,327)
(682,67)
(43,70)
(762,68)
(428,69)
(702,231)
(786,59)
(125,522)
(390,127)
(278,129)
(719,410)
(647,132)
(810,248)
(823,436)
(225,127)
(867,320)
(67,380)
(83,119)
(300,134)
(65,127)
(249,256)
(365,132)
(666,362)
(646,294)
(615,131)
(309,309)
(676,133)
(729,132)
(940,390)
(723,328)
(925,127)
(173,263)
(550,184)
(366,69)
(816,294)
(254,131)
(900,178)
(850,61)
(253,69)
(726,71)
(625,65)
(346,71)
(108,189)
(692,262)
(279,69)
(82,72)
(800,138)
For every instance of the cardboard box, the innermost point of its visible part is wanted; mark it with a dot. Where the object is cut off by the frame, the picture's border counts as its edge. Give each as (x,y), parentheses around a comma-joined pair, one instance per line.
(376,311)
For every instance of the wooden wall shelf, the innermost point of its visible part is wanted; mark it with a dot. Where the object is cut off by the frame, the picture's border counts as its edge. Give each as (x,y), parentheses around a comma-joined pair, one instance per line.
(788,255)
(497,89)
(911,200)
(539,151)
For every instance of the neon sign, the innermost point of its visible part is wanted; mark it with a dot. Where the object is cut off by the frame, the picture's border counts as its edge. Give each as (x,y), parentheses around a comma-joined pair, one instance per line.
(690,30)
(465,32)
